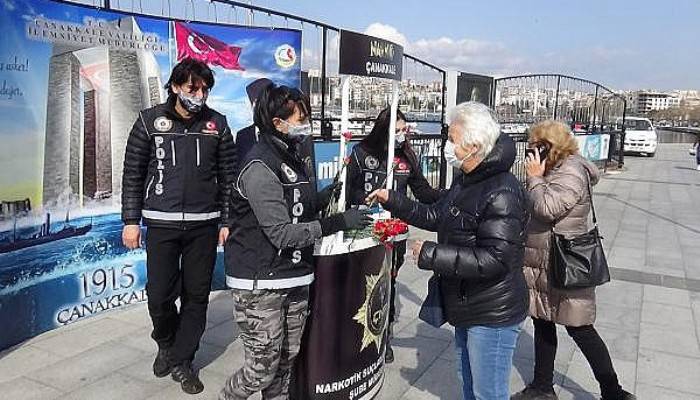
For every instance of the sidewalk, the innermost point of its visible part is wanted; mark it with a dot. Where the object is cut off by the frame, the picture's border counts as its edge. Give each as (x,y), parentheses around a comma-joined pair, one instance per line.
(649,317)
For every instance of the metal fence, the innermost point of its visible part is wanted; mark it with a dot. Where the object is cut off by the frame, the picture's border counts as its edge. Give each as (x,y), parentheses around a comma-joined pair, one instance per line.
(428,148)
(588,107)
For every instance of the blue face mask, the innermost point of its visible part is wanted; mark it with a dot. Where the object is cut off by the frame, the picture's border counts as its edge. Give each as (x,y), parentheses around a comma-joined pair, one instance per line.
(451,156)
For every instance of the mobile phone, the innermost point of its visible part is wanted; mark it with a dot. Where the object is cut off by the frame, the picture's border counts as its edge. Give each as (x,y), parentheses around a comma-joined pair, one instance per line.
(542,149)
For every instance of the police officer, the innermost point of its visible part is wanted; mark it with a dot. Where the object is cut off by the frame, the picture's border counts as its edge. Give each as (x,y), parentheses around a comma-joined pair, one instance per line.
(178,171)
(248,136)
(269,255)
(367,172)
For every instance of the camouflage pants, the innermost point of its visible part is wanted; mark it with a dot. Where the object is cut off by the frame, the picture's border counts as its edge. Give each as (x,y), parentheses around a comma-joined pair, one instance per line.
(271,323)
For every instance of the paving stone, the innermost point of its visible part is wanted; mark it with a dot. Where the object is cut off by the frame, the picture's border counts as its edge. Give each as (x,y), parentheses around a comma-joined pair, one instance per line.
(670,317)
(221,335)
(23,360)
(420,328)
(674,297)
(668,371)
(616,317)
(27,389)
(114,387)
(213,382)
(91,334)
(86,367)
(649,392)
(683,342)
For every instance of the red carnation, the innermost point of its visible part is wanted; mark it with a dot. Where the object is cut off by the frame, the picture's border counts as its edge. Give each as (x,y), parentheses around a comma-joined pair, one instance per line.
(347,135)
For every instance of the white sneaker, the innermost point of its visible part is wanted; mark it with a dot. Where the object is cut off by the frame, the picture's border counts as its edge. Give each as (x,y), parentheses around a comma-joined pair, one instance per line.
(698,167)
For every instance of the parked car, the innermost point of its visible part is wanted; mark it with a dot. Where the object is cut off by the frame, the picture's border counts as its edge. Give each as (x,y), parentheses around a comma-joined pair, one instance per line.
(640,136)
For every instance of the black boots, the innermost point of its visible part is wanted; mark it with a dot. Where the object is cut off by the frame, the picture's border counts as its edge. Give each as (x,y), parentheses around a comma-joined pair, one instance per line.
(162,364)
(189,381)
(534,393)
(624,396)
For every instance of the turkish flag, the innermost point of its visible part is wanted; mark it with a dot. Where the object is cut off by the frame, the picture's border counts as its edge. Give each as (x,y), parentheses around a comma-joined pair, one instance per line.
(192,44)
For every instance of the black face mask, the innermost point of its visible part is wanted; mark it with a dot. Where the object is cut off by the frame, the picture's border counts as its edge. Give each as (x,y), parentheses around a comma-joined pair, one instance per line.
(190,103)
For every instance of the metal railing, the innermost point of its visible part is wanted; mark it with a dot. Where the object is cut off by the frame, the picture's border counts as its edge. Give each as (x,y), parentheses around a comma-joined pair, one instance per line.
(428,148)
(522,100)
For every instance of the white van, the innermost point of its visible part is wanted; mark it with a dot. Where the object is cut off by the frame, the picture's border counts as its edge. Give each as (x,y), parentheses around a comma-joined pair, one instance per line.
(640,136)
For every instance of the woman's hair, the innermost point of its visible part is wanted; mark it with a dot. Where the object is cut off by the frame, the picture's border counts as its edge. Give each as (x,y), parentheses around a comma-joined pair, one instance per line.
(479,126)
(558,136)
(377,141)
(190,68)
(279,102)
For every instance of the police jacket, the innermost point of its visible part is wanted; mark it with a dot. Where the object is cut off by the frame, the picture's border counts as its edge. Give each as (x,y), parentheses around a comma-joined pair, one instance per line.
(274,206)
(367,172)
(177,173)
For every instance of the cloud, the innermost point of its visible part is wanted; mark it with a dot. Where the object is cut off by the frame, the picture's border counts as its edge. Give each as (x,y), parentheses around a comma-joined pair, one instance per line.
(469,55)
(9,5)
(387,32)
(462,54)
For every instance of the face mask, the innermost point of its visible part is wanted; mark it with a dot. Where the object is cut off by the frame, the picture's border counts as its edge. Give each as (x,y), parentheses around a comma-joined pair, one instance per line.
(400,138)
(451,156)
(190,103)
(298,132)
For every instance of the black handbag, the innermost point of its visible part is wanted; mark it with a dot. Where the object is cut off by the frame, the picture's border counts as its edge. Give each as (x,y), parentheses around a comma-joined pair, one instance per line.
(579,262)
(431,310)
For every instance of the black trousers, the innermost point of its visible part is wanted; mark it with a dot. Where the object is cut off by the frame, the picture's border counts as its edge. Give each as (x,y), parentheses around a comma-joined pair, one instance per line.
(592,347)
(180,264)
(397,260)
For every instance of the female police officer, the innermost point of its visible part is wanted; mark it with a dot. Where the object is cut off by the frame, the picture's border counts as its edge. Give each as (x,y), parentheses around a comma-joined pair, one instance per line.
(367,172)
(269,254)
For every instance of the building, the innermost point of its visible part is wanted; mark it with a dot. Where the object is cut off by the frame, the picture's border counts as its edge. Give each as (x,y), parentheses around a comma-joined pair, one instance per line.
(94,96)
(9,209)
(642,102)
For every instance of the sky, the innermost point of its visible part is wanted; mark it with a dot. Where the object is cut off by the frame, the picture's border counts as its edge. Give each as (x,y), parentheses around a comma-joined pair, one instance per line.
(624,44)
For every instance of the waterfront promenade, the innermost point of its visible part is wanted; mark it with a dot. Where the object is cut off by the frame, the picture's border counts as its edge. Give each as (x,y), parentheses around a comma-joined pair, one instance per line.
(649,316)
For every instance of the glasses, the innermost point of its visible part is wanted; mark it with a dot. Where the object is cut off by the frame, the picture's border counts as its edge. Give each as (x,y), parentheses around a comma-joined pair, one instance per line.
(405,129)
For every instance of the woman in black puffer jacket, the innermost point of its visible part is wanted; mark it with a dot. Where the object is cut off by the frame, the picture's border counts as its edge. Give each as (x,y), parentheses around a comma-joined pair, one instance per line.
(479,255)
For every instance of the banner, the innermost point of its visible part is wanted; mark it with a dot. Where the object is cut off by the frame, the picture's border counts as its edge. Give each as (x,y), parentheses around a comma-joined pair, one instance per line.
(342,355)
(73,80)
(472,87)
(370,57)
(594,147)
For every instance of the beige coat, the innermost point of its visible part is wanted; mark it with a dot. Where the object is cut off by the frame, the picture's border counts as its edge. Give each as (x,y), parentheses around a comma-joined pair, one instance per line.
(561,195)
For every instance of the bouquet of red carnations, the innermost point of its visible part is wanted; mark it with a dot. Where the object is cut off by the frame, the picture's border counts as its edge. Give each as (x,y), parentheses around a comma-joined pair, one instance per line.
(386,229)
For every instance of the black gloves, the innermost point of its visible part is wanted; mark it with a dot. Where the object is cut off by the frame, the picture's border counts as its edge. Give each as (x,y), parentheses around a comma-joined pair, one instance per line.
(350,219)
(323,198)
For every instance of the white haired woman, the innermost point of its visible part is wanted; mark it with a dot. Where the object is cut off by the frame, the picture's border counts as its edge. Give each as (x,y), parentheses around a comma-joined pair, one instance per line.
(478,258)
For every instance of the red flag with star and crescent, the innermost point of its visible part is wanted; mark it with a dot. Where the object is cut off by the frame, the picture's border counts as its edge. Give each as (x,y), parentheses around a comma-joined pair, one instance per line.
(212,51)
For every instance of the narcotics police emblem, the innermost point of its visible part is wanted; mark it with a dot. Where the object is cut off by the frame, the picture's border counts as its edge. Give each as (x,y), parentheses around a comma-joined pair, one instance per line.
(373,313)
(289,173)
(371,162)
(163,124)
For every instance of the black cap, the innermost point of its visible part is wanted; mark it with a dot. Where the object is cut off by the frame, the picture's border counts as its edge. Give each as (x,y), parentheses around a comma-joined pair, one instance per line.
(256,87)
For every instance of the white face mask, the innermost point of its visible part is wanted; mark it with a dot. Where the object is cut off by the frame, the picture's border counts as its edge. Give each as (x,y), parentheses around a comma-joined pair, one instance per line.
(451,156)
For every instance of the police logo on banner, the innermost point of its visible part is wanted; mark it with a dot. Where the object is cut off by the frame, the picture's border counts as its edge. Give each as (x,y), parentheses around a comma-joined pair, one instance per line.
(371,162)
(289,173)
(163,124)
(373,313)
